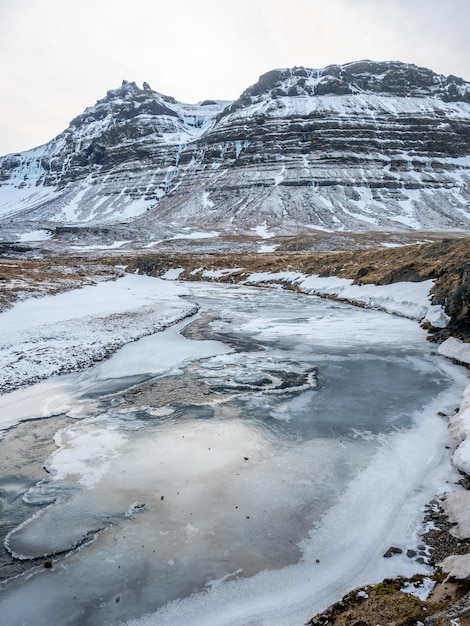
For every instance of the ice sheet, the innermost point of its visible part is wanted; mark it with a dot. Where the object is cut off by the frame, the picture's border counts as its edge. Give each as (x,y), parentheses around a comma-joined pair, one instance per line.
(383,502)
(157,493)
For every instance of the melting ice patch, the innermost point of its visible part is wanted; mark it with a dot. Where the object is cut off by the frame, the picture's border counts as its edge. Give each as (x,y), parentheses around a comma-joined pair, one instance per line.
(261,372)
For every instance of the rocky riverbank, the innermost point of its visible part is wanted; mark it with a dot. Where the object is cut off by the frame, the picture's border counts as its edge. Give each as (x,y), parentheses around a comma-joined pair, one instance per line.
(437,599)
(446,262)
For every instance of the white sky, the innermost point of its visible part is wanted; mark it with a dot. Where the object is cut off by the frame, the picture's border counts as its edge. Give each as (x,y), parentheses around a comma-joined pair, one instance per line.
(59,56)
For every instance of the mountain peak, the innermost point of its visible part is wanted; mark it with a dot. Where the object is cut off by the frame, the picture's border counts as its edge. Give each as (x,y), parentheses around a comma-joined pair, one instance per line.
(391,78)
(126,102)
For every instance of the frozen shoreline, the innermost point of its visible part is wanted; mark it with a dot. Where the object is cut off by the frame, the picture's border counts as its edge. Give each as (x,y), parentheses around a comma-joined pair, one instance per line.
(71,331)
(411,300)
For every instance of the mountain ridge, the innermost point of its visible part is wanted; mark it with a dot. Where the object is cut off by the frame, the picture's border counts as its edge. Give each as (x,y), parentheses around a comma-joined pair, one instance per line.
(392,78)
(362,146)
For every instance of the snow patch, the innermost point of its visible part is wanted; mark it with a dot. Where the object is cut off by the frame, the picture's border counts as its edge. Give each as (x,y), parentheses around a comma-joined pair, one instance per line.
(455,349)
(173,274)
(196,234)
(266,248)
(220,273)
(35,235)
(206,201)
(262,231)
(421,590)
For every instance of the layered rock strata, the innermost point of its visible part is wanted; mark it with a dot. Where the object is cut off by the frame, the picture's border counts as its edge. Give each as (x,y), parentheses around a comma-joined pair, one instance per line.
(364,146)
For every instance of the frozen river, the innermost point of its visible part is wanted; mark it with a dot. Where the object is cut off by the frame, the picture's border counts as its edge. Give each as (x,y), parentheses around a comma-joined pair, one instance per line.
(245,466)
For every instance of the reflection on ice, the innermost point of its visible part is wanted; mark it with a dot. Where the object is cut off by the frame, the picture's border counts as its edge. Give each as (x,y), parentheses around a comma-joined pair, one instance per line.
(41,400)
(211,491)
(381,506)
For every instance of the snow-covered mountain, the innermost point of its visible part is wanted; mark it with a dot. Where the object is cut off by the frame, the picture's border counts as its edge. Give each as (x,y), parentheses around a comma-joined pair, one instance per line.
(362,146)
(113,162)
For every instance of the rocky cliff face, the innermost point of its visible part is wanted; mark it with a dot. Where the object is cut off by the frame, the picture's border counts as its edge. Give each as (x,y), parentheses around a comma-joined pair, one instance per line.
(114,161)
(358,147)
(363,146)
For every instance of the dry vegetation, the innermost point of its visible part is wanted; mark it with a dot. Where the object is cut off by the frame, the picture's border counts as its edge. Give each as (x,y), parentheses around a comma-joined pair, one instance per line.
(386,604)
(378,265)
(447,261)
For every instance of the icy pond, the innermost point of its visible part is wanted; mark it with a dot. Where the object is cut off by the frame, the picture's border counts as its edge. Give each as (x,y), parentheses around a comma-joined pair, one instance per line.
(245,466)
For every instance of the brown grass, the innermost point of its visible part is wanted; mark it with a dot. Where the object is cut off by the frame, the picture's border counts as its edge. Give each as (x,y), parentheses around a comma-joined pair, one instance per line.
(385,604)
(447,261)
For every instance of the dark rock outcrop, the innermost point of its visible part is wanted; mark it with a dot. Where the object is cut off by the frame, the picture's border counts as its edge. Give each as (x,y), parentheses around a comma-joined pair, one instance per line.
(392,78)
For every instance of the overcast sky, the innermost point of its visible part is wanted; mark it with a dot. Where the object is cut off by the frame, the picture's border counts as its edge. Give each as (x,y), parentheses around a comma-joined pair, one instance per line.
(59,56)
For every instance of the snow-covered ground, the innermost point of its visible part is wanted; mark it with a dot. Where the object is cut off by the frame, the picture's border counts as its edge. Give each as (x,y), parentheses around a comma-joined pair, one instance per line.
(73,330)
(406,299)
(35,235)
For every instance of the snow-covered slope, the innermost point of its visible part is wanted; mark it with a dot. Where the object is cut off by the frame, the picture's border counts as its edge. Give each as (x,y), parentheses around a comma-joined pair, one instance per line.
(362,146)
(113,162)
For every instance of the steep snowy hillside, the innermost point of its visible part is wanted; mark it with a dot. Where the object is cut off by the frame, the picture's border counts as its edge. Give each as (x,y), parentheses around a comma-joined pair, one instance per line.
(364,146)
(114,161)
